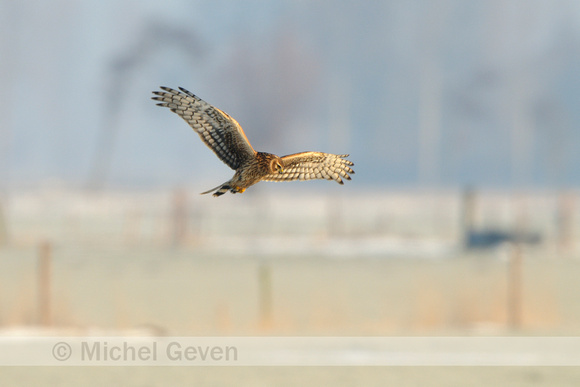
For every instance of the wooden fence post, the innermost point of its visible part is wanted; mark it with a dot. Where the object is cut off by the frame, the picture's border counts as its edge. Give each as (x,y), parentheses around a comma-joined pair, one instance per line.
(565,221)
(265,294)
(3,227)
(515,266)
(179,217)
(514,287)
(467,215)
(44,272)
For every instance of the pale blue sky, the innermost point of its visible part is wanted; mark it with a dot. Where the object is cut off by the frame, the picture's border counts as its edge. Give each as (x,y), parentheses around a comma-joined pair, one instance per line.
(438,93)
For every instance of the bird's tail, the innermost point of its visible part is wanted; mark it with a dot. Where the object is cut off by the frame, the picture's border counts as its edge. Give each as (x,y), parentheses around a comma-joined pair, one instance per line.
(220,189)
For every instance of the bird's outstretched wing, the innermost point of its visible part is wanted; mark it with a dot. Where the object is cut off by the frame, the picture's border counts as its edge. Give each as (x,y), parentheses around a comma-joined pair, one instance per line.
(220,132)
(313,165)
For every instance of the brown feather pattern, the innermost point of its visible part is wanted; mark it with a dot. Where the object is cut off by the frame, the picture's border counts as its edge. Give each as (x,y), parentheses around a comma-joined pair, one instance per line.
(313,165)
(217,129)
(226,138)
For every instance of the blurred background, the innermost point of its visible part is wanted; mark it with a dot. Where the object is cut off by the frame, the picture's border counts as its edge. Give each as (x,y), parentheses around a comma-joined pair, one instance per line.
(461,118)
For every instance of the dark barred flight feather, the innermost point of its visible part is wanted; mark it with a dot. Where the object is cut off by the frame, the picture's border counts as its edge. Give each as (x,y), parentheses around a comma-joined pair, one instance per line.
(225,137)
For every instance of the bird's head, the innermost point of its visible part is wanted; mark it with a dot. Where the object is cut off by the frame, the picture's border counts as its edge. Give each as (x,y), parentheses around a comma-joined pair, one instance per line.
(276,165)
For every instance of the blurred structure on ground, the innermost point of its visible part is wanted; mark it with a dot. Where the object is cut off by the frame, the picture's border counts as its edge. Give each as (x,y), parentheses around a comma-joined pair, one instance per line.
(371,263)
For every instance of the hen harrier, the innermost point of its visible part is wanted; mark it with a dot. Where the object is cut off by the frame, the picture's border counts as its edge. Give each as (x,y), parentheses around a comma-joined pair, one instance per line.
(223,135)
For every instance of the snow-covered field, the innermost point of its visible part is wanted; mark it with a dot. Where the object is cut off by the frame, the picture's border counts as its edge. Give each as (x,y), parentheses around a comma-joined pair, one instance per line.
(370,262)
(378,263)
